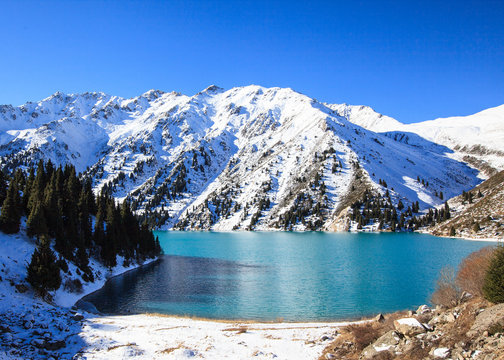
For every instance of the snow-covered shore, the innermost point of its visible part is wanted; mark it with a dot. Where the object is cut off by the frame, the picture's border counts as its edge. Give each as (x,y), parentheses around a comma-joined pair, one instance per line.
(167,337)
(31,328)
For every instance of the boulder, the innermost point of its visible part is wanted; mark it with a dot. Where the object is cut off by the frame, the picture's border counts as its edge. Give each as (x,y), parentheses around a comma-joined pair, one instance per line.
(38,343)
(446,317)
(486,319)
(423,309)
(380,318)
(53,345)
(386,342)
(77,317)
(409,327)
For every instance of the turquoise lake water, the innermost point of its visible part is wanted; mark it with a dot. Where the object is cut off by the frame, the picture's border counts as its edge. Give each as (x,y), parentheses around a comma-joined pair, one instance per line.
(284,275)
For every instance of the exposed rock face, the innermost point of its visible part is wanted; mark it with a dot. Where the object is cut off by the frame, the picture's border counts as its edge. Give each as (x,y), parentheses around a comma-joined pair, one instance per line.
(488,318)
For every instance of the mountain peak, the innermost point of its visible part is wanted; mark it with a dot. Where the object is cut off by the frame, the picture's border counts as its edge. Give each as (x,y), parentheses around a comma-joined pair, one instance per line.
(57,95)
(153,94)
(211,89)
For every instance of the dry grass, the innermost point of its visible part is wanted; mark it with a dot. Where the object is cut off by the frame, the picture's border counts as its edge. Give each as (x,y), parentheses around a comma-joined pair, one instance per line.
(355,337)
(110,348)
(172,349)
(239,330)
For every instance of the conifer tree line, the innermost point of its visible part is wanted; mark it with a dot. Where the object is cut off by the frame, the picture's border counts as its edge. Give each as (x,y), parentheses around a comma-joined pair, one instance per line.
(375,208)
(60,206)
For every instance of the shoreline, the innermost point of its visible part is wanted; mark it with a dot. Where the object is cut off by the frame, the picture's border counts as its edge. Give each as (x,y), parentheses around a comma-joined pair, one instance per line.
(490,239)
(270,322)
(93,290)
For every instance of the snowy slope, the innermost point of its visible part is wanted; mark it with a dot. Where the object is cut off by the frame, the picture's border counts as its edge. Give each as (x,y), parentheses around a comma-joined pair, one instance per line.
(244,158)
(477,139)
(31,328)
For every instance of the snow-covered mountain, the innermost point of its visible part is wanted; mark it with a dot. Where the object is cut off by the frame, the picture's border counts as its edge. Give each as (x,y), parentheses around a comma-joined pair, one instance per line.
(245,158)
(477,139)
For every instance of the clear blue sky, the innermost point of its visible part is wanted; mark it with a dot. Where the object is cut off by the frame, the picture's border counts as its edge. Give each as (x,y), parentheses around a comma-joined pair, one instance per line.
(413,60)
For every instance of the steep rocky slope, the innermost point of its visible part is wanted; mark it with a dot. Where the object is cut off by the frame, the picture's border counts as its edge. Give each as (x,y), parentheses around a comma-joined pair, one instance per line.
(245,158)
(478,213)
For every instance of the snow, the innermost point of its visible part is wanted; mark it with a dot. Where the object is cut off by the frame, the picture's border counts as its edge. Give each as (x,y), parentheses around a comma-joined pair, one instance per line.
(480,135)
(382,347)
(410,322)
(441,352)
(160,337)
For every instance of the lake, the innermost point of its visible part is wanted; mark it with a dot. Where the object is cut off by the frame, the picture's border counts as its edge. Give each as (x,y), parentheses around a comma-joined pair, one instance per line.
(283,275)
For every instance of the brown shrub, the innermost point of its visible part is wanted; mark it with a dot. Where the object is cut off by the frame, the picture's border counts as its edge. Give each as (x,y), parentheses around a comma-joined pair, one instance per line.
(447,292)
(364,334)
(472,271)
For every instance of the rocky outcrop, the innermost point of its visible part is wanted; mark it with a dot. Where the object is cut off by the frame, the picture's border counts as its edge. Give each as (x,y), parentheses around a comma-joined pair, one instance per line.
(472,330)
(409,327)
(487,320)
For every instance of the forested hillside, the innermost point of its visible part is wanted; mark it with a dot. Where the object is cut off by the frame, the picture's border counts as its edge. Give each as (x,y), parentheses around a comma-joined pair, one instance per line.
(61,212)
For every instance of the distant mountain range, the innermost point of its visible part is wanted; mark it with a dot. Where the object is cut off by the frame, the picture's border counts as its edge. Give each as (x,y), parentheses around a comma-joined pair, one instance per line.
(250,157)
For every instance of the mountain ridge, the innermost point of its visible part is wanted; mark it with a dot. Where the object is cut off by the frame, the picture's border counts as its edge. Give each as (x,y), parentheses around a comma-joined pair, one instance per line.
(475,139)
(230,159)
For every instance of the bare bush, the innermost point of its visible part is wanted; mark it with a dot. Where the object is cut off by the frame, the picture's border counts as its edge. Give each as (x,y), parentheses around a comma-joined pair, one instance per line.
(73,286)
(447,292)
(472,271)
(364,334)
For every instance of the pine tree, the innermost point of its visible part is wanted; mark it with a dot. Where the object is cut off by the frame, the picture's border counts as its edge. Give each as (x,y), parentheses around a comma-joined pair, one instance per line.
(10,216)
(84,220)
(452,231)
(446,214)
(493,286)
(27,189)
(36,224)
(43,271)
(37,187)
(3,187)
(51,210)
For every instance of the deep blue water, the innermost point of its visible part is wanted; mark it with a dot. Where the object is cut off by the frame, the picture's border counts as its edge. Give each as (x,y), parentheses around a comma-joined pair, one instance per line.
(283,275)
